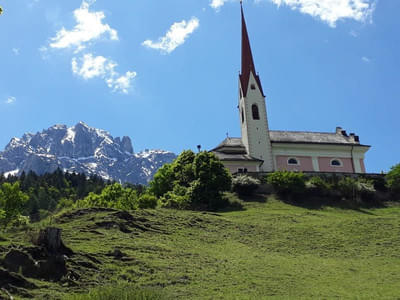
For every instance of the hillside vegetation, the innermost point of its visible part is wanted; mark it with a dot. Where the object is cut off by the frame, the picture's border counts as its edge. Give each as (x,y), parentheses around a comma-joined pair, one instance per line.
(268,249)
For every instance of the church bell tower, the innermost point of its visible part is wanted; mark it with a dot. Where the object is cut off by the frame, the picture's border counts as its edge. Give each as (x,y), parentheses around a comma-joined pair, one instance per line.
(252,107)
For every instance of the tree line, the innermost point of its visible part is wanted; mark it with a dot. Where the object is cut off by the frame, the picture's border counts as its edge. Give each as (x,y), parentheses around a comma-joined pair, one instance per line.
(36,196)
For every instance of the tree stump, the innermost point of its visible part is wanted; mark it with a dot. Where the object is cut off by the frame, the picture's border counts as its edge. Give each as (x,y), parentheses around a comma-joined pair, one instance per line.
(50,238)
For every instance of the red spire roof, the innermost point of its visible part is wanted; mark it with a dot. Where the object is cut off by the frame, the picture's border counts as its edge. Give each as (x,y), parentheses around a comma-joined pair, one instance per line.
(247,59)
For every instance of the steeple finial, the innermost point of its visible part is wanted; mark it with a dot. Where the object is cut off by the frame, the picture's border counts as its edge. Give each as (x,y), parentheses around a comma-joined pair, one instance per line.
(247,57)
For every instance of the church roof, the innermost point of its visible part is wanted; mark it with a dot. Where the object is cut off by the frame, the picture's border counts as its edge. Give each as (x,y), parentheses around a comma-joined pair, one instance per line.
(339,137)
(230,142)
(248,66)
(232,149)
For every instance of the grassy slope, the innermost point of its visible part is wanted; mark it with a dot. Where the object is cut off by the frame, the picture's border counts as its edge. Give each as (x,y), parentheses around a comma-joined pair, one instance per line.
(268,250)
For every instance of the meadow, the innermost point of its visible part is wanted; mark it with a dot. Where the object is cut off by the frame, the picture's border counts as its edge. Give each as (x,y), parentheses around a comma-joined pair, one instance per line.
(267,250)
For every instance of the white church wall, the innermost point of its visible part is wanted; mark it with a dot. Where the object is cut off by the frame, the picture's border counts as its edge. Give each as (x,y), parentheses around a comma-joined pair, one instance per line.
(255,133)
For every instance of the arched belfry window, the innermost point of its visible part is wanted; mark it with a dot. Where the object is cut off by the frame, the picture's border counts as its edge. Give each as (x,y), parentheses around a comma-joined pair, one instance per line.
(254,109)
(242,116)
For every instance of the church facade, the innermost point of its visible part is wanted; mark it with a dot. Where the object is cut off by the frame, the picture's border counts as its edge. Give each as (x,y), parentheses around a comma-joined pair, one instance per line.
(260,149)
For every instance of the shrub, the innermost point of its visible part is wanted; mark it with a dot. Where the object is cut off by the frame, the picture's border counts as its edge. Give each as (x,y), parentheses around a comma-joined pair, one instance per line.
(245,185)
(65,203)
(177,198)
(347,187)
(148,201)
(2,216)
(318,186)
(379,183)
(19,221)
(112,196)
(366,189)
(287,183)
(356,189)
(393,179)
(171,200)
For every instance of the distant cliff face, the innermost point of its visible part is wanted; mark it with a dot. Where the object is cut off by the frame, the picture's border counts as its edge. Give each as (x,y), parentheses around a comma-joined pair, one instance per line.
(82,149)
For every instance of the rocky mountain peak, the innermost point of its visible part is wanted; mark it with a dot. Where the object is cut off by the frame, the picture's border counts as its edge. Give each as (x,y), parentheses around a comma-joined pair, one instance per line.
(81,148)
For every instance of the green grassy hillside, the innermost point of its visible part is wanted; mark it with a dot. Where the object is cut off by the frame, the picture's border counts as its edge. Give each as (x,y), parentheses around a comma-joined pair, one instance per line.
(268,250)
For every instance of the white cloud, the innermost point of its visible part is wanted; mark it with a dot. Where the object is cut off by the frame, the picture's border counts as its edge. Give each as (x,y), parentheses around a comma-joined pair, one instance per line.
(330,11)
(89,67)
(89,27)
(217,4)
(10,100)
(175,36)
(15,51)
(366,59)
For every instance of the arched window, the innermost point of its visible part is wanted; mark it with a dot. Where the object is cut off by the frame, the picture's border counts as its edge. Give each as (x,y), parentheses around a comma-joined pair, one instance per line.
(293,161)
(242,115)
(336,163)
(254,109)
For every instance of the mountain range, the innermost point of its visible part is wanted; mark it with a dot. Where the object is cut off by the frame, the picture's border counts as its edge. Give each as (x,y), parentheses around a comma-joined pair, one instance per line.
(81,149)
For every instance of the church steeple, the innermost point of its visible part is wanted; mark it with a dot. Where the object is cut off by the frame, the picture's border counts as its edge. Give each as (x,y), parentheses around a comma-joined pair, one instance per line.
(252,107)
(247,59)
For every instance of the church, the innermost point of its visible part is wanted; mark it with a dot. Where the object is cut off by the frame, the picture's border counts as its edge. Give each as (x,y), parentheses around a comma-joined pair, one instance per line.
(262,150)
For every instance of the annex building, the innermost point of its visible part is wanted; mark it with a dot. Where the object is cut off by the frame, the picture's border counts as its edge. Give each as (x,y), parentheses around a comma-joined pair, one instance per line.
(262,150)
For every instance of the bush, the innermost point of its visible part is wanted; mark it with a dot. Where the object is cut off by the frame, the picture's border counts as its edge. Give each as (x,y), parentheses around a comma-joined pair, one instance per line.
(112,196)
(287,183)
(393,180)
(177,198)
(356,189)
(65,203)
(318,186)
(347,187)
(171,200)
(366,189)
(148,201)
(245,185)
(19,221)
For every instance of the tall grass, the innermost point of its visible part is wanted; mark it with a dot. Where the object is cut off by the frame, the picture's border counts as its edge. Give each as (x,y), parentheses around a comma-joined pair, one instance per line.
(118,292)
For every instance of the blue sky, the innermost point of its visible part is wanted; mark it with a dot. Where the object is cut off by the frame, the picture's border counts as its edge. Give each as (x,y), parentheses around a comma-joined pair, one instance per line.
(165,73)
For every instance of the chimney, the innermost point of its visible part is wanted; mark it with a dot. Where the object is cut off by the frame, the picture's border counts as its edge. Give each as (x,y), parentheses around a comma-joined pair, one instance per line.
(338,130)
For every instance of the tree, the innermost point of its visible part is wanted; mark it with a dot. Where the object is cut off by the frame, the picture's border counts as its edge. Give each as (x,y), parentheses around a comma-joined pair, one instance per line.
(198,179)
(183,169)
(12,201)
(393,179)
(211,179)
(163,181)
(1,10)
